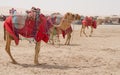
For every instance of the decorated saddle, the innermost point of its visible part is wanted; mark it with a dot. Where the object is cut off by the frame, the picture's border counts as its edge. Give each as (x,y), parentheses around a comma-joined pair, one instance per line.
(21,24)
(88,21)
(19,21)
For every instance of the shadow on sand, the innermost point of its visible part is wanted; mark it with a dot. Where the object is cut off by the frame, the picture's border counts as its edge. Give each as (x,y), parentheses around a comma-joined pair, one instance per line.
(45,66)
(70,45)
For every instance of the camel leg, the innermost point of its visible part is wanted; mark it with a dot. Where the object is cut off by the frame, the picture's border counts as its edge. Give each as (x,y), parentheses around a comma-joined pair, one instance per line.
(8,43)
(52,36)
(51,39)
(68,39)
(84,30)
(91,31)
(81,30)
(37,49)
(57,39)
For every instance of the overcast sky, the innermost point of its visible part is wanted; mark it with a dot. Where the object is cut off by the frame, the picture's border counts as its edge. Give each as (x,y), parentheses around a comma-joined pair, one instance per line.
(85,7)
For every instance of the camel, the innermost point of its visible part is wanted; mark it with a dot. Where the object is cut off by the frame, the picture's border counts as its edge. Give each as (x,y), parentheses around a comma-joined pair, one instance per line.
(88,21)
(9,35)
(64,27)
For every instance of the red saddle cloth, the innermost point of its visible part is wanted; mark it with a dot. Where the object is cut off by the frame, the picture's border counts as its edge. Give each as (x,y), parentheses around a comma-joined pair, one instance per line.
(89,22)
(64,32)
(94,24)
(27,30)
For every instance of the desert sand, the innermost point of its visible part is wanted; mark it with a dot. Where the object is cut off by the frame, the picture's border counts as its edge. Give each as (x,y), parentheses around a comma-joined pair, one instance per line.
(96,55)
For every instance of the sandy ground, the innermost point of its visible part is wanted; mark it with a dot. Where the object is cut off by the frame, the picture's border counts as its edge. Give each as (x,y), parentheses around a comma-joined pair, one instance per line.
(97,55)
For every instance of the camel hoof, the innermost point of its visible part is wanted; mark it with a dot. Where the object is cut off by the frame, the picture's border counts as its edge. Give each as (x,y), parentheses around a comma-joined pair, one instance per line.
(90,35)
(36,63)
(65,44)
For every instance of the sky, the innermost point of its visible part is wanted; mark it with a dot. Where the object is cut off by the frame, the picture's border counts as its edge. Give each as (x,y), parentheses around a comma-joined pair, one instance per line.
(82,7)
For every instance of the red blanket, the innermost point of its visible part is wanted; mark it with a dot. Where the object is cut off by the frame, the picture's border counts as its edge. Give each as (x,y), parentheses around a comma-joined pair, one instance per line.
(94,24)
(68,30)
(89,22)
(27,30)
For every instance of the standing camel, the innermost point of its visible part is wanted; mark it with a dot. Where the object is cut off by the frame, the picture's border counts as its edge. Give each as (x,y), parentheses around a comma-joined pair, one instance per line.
(34,27)
(88,21)
(64,27)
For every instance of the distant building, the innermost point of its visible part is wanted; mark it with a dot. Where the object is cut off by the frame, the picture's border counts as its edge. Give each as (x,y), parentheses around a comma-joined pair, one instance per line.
(115,19)
(100,20)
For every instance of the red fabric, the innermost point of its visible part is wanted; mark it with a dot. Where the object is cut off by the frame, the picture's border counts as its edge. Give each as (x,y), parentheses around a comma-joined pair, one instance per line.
(94,24)
(28,28)
(49,22)
(9,28)
(64,32)
(84,22)
(87,22)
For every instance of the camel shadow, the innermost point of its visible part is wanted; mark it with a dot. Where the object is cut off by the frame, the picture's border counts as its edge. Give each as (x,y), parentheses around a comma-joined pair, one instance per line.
(70,45)
(45,66)
(101,36)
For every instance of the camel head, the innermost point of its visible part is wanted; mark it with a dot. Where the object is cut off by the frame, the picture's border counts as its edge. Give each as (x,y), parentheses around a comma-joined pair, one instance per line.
(77,17)
(33,13)
(69,16)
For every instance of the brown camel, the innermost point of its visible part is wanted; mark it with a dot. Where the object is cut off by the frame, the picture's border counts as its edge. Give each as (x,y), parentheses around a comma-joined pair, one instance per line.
(64,27)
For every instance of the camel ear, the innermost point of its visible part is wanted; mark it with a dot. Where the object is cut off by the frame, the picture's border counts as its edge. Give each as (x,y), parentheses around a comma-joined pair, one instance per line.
(66,15)
(73,15)
(77,17)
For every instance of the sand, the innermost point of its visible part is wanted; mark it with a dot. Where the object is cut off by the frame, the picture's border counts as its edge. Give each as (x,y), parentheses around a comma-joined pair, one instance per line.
(96,55)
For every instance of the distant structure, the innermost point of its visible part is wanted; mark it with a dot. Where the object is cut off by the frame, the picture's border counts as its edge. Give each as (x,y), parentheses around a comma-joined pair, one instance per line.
(115,19)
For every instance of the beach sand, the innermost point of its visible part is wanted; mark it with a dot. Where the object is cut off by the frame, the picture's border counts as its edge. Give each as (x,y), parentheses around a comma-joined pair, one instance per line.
(96,55)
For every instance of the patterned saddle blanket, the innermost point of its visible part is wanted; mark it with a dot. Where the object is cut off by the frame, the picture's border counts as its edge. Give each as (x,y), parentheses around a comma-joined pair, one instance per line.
(29,29)
(19,21)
